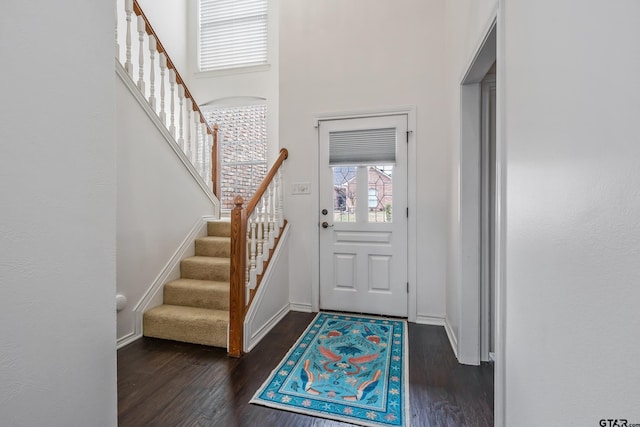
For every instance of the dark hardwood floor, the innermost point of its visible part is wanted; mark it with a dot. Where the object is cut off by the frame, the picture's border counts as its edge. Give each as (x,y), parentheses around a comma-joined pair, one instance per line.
(166,383)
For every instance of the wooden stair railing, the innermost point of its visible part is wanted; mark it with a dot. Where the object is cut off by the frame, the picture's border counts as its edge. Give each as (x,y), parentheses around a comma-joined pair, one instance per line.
(255,231)
(185,122)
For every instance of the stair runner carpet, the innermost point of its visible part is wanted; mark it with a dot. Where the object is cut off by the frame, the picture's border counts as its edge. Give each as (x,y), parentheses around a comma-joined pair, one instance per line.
(195,307)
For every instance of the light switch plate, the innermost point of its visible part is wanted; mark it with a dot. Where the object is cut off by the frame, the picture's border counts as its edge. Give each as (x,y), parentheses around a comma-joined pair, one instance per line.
(301,188)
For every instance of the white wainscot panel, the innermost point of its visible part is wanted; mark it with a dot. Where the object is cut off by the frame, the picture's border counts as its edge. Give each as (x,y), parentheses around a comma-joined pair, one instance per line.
(380,273)
(344,271)
(363,237)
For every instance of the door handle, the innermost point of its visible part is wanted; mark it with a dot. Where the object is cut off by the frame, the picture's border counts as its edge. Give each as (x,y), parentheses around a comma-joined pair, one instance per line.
(325,224)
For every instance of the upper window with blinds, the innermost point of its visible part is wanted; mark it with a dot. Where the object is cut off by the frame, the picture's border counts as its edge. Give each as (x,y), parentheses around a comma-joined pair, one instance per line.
(232,34)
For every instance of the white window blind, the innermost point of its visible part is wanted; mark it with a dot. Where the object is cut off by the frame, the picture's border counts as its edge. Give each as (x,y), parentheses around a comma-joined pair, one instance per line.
(233,33)
(362,147)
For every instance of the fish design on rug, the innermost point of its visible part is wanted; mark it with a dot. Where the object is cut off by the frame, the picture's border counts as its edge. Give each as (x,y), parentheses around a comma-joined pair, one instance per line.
(308,377)
(365,387)
(348,368)
(345,354)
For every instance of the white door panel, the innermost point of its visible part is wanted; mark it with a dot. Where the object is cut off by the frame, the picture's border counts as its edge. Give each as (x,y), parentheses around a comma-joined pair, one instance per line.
(363,201)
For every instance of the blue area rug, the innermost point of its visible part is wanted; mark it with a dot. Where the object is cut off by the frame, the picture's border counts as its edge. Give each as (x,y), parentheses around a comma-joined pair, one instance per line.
(346,368)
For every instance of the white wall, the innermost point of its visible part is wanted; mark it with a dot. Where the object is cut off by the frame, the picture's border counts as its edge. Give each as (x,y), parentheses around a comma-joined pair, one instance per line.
(158,203)
(216,87)
(571,108)
(360,55)
(169,20)
(57,227)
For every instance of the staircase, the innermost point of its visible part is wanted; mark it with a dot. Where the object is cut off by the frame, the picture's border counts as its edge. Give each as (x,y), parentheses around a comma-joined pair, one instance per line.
(210,301)
(195,307)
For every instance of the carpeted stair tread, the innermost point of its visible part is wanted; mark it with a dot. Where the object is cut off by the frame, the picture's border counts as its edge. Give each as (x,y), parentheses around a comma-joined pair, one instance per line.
(205,268)
(214,246)
(197,293)
(187,324)
(221,228)
(196,306)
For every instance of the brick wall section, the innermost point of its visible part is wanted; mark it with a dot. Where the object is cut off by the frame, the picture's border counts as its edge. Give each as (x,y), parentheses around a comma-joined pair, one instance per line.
(243,150)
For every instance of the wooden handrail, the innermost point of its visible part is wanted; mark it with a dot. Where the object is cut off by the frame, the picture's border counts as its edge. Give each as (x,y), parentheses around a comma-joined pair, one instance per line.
(133,5)
(150,31)
(237,297)
(284,153)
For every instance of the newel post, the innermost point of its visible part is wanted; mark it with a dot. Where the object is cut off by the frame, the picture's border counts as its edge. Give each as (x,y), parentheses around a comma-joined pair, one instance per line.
(237,291)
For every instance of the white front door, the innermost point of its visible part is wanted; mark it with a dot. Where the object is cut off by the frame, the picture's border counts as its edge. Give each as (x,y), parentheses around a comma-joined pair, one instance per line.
(363,218)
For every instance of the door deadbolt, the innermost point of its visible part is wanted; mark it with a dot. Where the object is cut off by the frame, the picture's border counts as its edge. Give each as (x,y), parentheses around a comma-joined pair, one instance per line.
(324,211)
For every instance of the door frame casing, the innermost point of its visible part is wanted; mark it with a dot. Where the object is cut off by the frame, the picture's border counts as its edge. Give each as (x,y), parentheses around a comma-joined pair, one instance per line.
(468,340)
(412,244)
(487,222)
(468,298)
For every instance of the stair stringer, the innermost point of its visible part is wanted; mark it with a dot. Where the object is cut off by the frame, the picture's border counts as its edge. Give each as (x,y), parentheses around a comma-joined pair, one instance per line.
(171,271)
(271,301)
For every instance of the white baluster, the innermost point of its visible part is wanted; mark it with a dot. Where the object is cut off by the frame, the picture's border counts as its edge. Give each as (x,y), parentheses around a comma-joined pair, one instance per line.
(207,169)
(199,151)
(141,31)
(163,67)
(180,119)
(128,7)
(253,245)
(208,140)
(172,108)
(247,254)
(203,147)
(198,136)
(188,145)
(260,237)
(271,216)
(211,177)
(265,226)
(279,206)
(152,71)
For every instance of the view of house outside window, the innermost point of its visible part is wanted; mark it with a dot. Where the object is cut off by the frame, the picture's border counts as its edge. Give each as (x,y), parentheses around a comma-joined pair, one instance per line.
(243,150)
(379,193)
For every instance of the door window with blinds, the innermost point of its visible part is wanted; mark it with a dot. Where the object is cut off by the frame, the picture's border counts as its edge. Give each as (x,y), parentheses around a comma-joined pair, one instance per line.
(232,33)
(363,157)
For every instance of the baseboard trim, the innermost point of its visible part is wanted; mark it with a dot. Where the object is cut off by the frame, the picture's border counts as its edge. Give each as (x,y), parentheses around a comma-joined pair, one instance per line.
(424,319)
(452,337)
(127,339)
(198,230)
(264,329)
(296,306)
(186,247)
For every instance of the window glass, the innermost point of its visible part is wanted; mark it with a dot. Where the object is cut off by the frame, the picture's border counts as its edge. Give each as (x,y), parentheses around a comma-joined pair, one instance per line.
(242,137)
(232,33)
(344,193)
(380,193)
